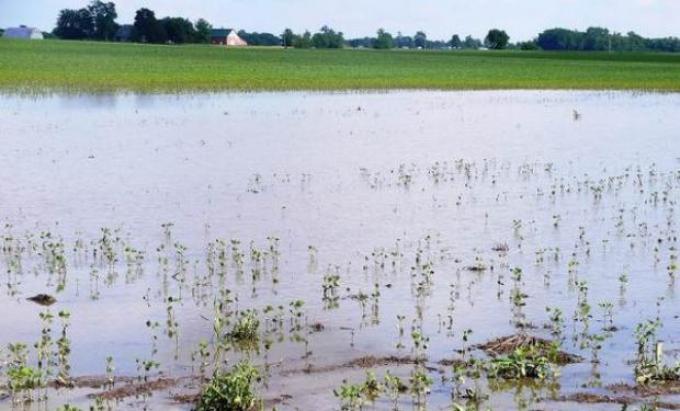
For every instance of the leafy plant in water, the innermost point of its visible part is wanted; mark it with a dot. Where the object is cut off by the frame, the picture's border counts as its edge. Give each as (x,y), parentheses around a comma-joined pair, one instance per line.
(350,396)
(650,367)
(371,388)
(245,332)
(522,363)
(232,391)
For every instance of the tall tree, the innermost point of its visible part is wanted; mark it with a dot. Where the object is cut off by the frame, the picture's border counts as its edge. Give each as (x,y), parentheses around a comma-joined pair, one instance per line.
(74,24)
(104,19)
(596,38)
(147,29)
(203,31)
(304,41)
(178,30)
(288,37)
(455,42)
(496,39)
(383,40)
(471,42)
(327,38)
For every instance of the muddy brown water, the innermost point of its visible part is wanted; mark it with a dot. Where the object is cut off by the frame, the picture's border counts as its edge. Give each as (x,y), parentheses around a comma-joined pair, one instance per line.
(581,186)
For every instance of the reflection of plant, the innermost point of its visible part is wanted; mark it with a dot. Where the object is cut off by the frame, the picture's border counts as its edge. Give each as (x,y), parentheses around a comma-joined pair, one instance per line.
(64,350)
(110,368)
(331,283)
(420,385)
(245,331)
(232,391)
(394,387)
(556,321)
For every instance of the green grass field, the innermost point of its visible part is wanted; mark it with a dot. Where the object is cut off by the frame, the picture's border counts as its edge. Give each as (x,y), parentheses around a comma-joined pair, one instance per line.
(49,65)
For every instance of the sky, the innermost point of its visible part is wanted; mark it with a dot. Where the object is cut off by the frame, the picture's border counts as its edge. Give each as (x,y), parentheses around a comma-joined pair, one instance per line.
(522,19)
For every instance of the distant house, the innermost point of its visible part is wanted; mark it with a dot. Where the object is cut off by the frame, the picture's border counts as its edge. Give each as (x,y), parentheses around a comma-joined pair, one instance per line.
(227,37)
(124,33)
(23,32)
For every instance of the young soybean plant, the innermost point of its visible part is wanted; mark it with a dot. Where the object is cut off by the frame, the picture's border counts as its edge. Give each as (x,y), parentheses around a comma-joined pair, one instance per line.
(232,390)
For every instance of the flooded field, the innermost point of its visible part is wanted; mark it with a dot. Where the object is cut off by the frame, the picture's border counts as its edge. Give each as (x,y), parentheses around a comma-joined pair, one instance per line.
(403,250)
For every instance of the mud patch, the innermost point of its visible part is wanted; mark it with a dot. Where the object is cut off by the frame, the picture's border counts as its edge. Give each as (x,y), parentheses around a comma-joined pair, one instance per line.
(137,389)
(509,344)
(648,390)
(591,398)
(361,362)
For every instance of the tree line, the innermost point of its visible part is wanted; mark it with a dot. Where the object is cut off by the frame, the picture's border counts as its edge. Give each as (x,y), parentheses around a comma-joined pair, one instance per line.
(97,21)
(601,39)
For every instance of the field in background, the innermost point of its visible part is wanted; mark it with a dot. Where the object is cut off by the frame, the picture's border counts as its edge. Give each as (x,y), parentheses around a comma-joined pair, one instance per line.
(43,66)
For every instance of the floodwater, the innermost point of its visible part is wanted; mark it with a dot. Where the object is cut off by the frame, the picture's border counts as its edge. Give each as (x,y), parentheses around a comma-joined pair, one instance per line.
(399,194)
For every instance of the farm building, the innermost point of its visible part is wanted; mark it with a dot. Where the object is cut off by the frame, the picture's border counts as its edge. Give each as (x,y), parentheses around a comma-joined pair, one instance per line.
(23,32)
(227,37)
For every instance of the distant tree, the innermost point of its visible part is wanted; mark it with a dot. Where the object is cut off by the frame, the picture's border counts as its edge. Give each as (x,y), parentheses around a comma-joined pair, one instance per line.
(496,39)
(2,31)
(595,38)
(74,24)
(104,19)
(260,39)
(471,43)
(178,30)
(327,38)
(455,42)
(560,39)
(363,42)
(420,40)
(384,40)
(304,41)
(634,41)
(288,38)
(528,45)
(147,29)
(436,44)
(403,41)
(203,31)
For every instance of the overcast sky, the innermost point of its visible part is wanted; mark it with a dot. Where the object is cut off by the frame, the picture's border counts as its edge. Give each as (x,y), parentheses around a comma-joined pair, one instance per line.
(522,19)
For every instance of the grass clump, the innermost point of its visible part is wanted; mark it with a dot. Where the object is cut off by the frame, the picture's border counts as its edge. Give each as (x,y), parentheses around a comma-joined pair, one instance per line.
(231,391)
